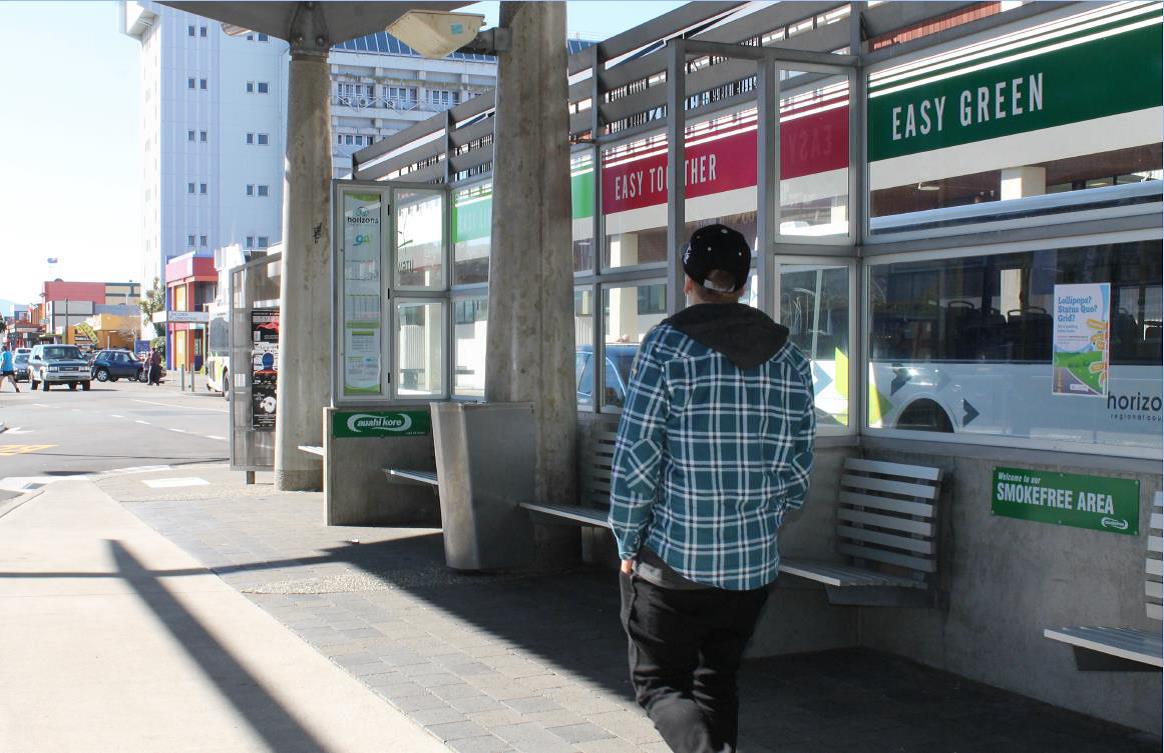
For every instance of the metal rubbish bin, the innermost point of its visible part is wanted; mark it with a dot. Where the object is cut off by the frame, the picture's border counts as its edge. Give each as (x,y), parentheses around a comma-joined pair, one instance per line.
(485,463)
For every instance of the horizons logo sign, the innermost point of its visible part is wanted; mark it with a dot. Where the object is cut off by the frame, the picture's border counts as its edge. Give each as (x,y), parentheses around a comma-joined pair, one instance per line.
(394,423)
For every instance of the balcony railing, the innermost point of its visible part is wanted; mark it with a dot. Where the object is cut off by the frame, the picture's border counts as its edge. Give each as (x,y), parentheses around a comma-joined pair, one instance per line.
(365,102)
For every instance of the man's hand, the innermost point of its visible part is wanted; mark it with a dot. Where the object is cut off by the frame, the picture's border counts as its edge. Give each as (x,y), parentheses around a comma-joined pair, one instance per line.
(627,567)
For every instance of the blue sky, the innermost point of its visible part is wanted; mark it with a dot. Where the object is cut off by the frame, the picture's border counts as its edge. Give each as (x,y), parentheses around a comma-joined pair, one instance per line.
(70,145)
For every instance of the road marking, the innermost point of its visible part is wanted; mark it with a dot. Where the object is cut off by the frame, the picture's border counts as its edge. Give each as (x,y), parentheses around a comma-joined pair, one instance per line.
(211,436)
(170,483)
(147,423)
(116,416)
(180,431)
(19,430)
(40,405)
(171,405)
(136,469)
(8,450)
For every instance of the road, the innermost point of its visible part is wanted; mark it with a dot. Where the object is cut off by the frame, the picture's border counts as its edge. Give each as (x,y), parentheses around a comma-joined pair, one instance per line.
(63,433)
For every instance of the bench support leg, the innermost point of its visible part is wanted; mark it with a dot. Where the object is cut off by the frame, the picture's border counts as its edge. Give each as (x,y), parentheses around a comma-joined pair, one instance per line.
(1087,660)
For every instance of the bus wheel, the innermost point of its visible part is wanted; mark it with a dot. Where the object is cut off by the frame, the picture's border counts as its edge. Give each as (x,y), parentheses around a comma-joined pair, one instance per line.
(925,415)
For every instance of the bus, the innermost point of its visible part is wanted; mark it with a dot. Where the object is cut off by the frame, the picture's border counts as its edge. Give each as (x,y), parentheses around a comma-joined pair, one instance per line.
(218,348)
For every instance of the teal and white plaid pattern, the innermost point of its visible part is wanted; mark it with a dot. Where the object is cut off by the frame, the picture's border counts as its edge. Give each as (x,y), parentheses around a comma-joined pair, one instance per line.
(710,457)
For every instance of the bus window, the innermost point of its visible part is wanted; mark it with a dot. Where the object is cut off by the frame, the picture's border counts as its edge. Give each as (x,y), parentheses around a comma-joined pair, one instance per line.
(966,344)
(814,306)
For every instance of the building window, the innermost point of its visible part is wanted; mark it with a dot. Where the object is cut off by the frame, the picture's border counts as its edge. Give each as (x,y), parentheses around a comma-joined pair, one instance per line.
(189,240)
(250,189)
(339,139)
(201,31)
(189,83)
(202,84)
(250,37)
(250,87)
(348,139)
(189,188)
(250,138)
(190,31)
(264,190)
(202,188)
(202,241)
(202,136)
(189,135)
(263,139)
(250,242)
(263,37)
(262,87)
(264,241)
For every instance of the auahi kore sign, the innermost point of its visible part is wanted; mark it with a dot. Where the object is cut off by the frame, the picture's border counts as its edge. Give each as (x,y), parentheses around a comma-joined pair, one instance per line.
(403,423)
(1067,499)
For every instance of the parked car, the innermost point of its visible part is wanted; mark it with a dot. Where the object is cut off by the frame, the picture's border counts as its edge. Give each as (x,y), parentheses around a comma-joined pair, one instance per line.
(20,361)
(51,364)
(114,364)
(619,359)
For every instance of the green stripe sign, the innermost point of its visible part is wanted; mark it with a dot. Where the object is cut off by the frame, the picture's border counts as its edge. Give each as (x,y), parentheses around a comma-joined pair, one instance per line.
(1067,499)
(1104,70)
(473,216)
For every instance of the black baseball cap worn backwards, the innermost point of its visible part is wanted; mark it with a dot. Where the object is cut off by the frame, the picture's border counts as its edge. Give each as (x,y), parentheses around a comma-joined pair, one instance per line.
(717,247)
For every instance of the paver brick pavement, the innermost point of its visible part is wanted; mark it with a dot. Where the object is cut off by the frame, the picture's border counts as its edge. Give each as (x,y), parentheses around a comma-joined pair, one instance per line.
(536,661)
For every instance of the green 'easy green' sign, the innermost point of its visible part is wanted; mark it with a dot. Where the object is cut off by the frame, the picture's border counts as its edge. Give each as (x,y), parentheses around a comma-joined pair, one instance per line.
(1067,499)
(1075,75)
(401,423)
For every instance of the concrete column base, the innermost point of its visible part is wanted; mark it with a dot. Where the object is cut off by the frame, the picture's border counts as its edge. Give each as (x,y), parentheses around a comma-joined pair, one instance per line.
(299,481)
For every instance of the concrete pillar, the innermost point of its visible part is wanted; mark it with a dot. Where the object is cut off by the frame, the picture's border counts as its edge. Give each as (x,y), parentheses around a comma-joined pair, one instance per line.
(1018,182)
(530,355)
(304,346)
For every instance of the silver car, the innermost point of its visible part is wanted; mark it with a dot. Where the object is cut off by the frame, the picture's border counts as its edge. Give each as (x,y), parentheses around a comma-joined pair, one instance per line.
(58,364)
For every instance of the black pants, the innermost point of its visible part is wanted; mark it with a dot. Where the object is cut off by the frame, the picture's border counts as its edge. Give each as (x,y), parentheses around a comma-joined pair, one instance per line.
(685,649)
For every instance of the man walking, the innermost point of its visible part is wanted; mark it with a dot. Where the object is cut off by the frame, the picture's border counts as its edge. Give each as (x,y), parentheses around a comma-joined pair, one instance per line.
(714,447)
(7,368)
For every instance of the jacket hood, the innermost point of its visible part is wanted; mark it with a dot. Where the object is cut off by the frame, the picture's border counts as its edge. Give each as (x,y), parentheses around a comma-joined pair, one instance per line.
(744,335)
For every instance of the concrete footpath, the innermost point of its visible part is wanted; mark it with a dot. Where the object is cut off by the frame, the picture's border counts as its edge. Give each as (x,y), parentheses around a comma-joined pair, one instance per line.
(198,613)
(112,639)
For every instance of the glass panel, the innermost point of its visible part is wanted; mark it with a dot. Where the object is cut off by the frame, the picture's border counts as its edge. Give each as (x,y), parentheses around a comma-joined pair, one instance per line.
(472,233)
(628,313)
(420,233)
(990,122)
(584,344)
(814,155)
(634,202)
(419,352)
(977,345)
(361,347)
(470,320)
(582,210)
(814,306)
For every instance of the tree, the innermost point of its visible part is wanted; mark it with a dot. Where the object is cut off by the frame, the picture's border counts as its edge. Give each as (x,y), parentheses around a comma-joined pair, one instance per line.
(153,302)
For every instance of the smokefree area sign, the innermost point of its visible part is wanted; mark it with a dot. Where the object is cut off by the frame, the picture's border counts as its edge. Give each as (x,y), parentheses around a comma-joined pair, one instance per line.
(1067,499)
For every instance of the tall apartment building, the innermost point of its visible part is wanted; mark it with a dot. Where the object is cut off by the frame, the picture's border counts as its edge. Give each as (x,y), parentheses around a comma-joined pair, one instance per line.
(214,113)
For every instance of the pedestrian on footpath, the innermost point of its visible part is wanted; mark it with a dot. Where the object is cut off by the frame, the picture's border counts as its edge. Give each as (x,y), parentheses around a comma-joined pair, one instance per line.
(7,369)
(714,446)
(155,366)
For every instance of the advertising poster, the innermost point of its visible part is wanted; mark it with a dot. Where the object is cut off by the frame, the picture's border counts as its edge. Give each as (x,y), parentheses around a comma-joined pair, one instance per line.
(407,423)
(1067,499)
(361,293)
(1082,336)
(264,367)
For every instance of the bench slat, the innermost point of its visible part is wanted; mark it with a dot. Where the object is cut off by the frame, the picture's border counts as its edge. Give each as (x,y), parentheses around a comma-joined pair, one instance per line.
(312,449)
(1155,544)
(1157,521)
(1153,589)
(424,477)
(835,574)
(1155,612)
(1154,567)
(584,515)
(920,527)
(920,509)
(862,483)
(890,558)
(1135,645)
(921,546)
(920,472)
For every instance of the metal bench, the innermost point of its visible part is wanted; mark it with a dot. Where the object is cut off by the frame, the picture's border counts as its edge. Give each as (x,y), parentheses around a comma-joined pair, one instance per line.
(887,531)
(594,480)
(423,477)
(1125,649)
